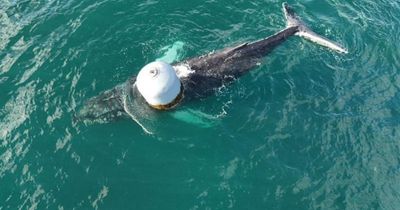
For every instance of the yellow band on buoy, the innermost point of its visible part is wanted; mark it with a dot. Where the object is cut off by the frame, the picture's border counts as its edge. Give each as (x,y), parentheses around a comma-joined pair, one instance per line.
(173,103)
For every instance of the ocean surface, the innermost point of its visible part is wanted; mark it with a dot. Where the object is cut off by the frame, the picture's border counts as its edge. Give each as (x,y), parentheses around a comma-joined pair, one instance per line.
(308,129)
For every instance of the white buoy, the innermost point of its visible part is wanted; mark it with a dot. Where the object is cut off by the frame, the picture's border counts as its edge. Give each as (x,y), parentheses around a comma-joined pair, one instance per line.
(159,85)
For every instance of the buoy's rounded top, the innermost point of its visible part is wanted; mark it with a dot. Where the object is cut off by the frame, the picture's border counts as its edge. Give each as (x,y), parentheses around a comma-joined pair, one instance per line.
(158,83)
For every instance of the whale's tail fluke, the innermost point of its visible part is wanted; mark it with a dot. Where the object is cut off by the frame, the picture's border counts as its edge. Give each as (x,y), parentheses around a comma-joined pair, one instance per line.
(303,31)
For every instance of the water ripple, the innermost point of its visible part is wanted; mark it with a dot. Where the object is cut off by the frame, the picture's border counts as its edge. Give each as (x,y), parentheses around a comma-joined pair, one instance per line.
(307,129)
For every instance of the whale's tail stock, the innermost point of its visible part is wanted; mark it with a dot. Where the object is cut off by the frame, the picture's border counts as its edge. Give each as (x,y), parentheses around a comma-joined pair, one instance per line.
(305,32)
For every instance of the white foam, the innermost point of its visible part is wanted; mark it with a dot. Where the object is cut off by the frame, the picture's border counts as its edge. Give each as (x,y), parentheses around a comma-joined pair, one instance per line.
(133,117)
(183,70)
(102,194)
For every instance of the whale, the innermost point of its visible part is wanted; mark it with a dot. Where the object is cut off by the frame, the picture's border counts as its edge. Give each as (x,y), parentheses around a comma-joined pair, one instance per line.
(201,76)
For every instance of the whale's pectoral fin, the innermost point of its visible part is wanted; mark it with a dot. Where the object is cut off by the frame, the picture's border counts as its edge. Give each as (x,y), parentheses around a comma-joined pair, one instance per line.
(305,32)
(195,117)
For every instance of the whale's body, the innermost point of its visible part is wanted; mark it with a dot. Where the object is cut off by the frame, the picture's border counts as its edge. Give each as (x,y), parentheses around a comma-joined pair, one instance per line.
(201,76)
(205,73)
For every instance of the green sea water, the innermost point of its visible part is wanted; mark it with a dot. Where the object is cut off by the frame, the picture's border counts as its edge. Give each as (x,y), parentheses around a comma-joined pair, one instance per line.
(308,129)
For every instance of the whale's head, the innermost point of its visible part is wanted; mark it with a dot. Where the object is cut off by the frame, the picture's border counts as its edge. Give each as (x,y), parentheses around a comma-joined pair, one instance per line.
(159,85)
